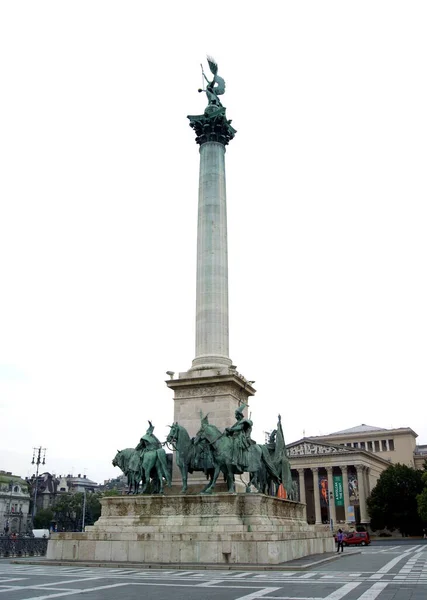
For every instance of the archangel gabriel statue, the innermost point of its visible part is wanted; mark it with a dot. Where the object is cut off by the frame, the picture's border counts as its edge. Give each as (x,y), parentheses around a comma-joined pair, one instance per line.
(212,125)
(216,87)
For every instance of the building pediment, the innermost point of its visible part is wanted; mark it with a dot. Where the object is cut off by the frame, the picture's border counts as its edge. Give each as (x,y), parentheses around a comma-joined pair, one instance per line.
(307,447)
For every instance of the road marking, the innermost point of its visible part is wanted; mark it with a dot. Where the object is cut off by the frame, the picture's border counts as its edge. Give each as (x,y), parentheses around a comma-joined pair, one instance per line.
(343,591)
(79,591)
(387,567)
(259,593)
(210,583)
(374,591)
(80,580)
(389,549)
(307,576)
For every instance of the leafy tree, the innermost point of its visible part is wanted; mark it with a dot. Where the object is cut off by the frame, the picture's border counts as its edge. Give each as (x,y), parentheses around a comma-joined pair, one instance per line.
(68,510)
(422,500)
(393,501)
(43,518)
(113,492)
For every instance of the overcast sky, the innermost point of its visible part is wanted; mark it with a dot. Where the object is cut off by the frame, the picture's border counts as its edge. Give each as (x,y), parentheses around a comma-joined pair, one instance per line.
(327,217)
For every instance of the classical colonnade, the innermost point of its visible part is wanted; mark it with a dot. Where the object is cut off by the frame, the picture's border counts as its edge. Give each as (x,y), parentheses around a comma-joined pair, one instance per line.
(308,484)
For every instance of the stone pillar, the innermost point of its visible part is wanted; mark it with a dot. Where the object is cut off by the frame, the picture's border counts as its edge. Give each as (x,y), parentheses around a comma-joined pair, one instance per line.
(302,496)
(345,490)
(331,497)
(316,492)
(212,339)
(367,482)
(362,493)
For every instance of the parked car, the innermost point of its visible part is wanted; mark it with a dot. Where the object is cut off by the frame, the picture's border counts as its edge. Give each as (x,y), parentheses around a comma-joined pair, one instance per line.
(356,538)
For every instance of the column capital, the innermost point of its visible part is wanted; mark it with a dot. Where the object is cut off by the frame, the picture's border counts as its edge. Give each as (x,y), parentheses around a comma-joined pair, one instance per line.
(329,469)
(360,467)
(301,470)
(314,469)
(212,126)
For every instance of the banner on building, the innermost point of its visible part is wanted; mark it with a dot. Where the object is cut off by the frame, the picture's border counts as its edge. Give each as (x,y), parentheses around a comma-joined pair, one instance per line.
(338,490)
(351,514)
(323,489)
(353,488)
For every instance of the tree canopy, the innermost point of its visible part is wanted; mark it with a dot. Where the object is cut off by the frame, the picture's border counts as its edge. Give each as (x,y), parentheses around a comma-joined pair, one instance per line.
(422,500)
(68,510)
(393,501)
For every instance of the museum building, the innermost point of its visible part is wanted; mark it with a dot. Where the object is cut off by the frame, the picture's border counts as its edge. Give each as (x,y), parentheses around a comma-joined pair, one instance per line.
(335,473)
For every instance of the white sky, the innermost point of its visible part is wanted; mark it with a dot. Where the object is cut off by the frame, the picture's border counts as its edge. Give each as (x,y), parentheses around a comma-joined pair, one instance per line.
(326,216)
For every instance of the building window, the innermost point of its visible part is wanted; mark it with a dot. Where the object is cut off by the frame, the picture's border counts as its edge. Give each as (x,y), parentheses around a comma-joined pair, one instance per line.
(362,445)
(377,446)
(391,444)
(384,445)
(370,446)
(355,444)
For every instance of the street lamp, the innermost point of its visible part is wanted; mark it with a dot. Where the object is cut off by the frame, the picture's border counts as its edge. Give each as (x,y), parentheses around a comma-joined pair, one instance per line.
(39,456)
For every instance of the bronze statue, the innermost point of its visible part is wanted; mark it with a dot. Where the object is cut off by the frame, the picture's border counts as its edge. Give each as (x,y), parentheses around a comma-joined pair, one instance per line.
(213,125)
(216,87)
(223,449)
(240,433)
(190,457)
(147,463)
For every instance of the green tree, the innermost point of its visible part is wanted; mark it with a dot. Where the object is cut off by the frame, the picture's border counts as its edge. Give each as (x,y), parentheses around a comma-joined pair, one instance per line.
(393,501)
(113,492)
(422,500)
(68,510)
(43,518)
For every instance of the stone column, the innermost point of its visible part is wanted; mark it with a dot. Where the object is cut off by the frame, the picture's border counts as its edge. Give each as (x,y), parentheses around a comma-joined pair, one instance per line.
(362,493)
(316,492)
(345,490)
(331,497)
(302,496)
(212,339)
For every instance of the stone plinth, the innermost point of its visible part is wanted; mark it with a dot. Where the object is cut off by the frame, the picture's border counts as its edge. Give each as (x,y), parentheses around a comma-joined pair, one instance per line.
(214,392)
(222,528)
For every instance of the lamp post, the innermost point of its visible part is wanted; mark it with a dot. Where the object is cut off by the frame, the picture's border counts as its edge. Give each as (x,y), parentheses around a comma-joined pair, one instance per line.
(39,456)
(84,509)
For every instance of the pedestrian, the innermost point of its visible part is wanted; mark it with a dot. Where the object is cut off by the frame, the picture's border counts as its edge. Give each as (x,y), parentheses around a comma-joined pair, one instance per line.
(425,533)
(340,538)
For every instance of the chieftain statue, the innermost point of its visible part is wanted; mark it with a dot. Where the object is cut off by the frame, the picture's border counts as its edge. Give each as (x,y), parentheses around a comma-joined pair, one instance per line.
(147,463)
(240,433)
(230,452)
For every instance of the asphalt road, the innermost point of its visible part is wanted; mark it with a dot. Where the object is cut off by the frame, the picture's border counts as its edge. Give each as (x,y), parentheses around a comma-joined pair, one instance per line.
(393,571)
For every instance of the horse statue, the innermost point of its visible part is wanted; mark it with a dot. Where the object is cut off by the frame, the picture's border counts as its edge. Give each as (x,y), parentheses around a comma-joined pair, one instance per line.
(146,466)
(277,450)
(154,466)
(125,460)
(189,457)
(222,448)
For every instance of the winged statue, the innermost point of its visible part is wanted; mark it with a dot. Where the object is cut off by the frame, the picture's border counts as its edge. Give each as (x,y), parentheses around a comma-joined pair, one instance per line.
(216,87)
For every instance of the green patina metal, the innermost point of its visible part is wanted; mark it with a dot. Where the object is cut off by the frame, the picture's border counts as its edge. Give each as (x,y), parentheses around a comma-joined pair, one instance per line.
(213,125)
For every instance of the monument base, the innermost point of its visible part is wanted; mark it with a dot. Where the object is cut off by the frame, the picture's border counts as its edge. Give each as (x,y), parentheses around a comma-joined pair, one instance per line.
(221,528)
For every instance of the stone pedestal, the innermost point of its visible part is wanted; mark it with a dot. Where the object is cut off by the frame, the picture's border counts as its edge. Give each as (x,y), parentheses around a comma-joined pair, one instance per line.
(222,528)
(214,392)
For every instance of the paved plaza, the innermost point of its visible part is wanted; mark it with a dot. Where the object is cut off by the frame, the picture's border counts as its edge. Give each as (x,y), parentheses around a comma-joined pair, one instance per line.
(388,572)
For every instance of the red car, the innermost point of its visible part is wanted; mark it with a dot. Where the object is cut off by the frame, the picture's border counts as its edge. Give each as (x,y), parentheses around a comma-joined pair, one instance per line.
(356,538)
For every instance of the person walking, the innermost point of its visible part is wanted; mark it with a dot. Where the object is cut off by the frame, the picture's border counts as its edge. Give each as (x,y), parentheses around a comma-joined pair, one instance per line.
(340,540)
